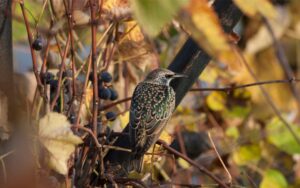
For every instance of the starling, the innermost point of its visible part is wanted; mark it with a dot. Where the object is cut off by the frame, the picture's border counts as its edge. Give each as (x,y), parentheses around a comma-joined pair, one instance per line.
(152,104)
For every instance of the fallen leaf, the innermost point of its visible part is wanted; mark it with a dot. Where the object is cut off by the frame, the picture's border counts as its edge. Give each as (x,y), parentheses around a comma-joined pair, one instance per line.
(56,136)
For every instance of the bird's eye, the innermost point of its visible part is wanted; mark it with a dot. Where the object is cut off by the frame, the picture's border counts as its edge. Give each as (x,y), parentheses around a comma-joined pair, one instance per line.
(169,75)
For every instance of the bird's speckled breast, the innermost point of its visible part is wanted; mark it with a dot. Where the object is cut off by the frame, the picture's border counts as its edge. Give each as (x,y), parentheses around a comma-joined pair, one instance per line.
(151,102)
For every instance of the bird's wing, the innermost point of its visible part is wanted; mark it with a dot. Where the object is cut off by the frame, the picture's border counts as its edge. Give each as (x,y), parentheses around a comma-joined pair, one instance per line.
(150,110)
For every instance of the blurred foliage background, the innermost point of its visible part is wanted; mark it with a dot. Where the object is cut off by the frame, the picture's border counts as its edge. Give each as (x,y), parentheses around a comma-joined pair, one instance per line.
(238,122)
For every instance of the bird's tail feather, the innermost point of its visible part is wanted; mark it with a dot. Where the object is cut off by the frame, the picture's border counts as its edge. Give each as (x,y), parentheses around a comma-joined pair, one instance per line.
(137,164)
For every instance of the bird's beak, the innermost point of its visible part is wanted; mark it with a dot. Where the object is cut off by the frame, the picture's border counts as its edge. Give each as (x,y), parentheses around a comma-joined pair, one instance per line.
(179,75)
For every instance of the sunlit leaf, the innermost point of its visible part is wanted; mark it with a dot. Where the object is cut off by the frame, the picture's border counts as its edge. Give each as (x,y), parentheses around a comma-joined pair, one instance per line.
(56,136)
(135,33)
(262,38)
(124,118)
(183,163)
(237,112)
(210,75)
(154,14)
(204,26)
(165,137)
(278,134)
(254,7)
(273,178)
(232,132)
(216,101)
(247,154)
(148,159)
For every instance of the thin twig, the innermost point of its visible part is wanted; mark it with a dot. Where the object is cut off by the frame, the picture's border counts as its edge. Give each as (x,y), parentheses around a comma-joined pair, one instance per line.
(61,70)
(102,108)
(283,60)
(3,164)
(84,87)
(69,16)
(182,149)
(98,145)
(220,159)
(94,66)
(267,96)
(222,89)
(33,56)
(198,166)
(258,83)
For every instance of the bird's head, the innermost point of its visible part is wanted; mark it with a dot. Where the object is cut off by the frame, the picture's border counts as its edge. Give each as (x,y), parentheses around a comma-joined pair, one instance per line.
(162,76)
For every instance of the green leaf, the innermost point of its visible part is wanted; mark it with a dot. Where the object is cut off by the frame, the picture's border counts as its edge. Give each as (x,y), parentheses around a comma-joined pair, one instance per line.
(280,136)
(237,111)
(232,132)
(273,178)
(154,14)
(247,154)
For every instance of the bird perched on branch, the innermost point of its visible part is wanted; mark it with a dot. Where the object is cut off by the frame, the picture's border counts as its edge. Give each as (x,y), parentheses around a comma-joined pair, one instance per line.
(152,104)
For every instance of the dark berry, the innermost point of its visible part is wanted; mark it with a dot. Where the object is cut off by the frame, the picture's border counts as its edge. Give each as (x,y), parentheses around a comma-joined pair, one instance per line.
(114,94)
(37,43)
(89,126)
(72,119)
(47,77)
(105,77)
(53,84)
(104,93)
(111,116)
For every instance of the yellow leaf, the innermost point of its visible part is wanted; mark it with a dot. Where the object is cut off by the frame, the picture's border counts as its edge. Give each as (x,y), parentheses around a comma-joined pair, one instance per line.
(254,7)
(165,137)
(216,101)
(124,118)
(148,159)
(110,5)
(210,75)
(247,154)
(203,24)
(183,163)
(134,31)
(56,136)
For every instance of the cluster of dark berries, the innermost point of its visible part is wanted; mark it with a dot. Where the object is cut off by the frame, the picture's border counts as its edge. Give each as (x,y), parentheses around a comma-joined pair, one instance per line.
(47,77)
(105,92)
(50,78)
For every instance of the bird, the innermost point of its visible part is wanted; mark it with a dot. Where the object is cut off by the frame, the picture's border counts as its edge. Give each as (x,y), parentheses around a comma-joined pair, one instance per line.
(152,104)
